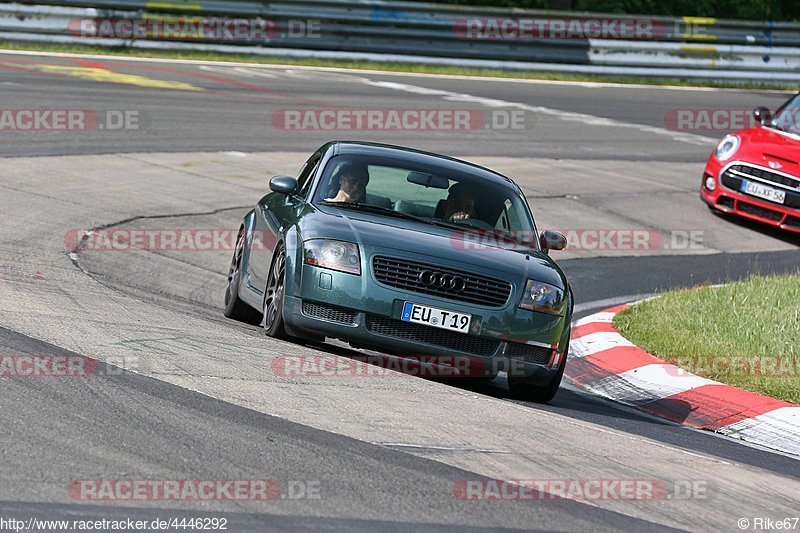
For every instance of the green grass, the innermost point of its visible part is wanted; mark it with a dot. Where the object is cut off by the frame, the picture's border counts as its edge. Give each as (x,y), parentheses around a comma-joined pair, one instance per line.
(746,334)
(384,66)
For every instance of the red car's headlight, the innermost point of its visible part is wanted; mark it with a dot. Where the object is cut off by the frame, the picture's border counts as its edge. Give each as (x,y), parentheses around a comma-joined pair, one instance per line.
(727,147)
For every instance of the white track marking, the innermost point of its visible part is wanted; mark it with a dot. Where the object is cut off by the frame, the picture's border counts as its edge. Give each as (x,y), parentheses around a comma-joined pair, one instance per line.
(606,317)
(241,71)
(568,116)
(258,73)
(648,383)
(596,342)
(775,429)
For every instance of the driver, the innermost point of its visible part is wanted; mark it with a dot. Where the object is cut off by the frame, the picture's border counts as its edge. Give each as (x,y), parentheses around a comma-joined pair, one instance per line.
(460,203)
(353,179)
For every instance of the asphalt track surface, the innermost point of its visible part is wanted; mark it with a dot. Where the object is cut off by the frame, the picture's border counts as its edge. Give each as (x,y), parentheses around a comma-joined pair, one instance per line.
(203,402)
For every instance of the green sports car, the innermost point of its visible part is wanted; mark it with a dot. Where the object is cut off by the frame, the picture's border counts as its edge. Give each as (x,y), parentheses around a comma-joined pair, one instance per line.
(408,253)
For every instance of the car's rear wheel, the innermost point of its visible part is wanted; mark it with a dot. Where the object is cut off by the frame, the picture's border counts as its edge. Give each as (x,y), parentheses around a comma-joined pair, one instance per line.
(235,308)
(273,296)
(521,389)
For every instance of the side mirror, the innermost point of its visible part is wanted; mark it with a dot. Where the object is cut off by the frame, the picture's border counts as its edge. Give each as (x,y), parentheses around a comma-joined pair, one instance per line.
(762,115)
(552,240)
(284,185)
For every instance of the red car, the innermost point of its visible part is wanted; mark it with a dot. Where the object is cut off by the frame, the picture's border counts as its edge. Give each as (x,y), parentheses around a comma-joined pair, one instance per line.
(755,173)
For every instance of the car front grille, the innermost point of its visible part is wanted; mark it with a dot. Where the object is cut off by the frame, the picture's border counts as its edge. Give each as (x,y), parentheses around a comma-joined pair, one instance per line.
(539,355)
(466,287)
(746,171)
(733,176)
(459,342)
(331,314)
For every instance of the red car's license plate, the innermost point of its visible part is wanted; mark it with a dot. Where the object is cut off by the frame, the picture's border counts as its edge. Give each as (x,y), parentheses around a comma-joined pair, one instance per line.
(762,191)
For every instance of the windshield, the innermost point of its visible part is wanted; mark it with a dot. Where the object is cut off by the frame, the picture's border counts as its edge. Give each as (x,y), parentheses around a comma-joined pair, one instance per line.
(787,118)
(433,195)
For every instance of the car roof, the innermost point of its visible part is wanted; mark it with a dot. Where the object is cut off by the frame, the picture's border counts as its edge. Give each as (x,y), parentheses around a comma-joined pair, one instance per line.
(451,163)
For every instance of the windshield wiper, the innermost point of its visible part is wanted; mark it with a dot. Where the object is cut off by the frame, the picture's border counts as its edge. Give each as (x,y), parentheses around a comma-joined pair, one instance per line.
(500,235)
(453,225)
(399,214)
(376,209)
(429,220)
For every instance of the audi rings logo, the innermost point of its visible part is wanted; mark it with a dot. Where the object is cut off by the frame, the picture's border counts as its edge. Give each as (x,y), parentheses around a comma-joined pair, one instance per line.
(440,280)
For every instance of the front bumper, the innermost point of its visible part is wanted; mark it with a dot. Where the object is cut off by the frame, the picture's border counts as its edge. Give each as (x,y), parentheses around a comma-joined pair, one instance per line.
(366,314)
(729,200)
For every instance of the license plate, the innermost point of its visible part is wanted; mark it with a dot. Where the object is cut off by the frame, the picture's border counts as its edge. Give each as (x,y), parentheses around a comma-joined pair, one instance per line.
(438,318)
(762,191)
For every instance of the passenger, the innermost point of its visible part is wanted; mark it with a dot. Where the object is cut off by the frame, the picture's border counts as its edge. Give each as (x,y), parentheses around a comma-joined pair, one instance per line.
(352,179)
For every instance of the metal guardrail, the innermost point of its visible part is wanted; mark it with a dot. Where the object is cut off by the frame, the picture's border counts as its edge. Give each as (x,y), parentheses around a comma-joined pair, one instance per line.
(443,16)
(433,33)
(342,29)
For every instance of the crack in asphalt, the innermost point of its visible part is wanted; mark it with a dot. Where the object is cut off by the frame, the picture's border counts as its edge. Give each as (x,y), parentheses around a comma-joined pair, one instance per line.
(74,255)
(175,215)
(38,194)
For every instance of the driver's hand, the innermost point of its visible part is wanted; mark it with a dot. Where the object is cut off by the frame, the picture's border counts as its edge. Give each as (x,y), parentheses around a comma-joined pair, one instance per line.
(461,215)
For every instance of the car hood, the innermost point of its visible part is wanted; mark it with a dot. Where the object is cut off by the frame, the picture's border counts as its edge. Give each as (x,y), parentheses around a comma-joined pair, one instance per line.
(771,149)
(379,231)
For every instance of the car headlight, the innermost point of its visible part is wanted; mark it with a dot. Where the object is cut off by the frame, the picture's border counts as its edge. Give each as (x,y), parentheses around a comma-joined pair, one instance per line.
(727,147)
(539,296)
(336,255)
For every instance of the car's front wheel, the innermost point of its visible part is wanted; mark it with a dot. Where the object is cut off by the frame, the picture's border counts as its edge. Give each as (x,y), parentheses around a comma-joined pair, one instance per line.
(235,308)
(273,296)
(521,389)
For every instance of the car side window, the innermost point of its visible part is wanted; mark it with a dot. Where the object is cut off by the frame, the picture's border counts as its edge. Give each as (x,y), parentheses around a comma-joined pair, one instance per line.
(304,177)
(509,218)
